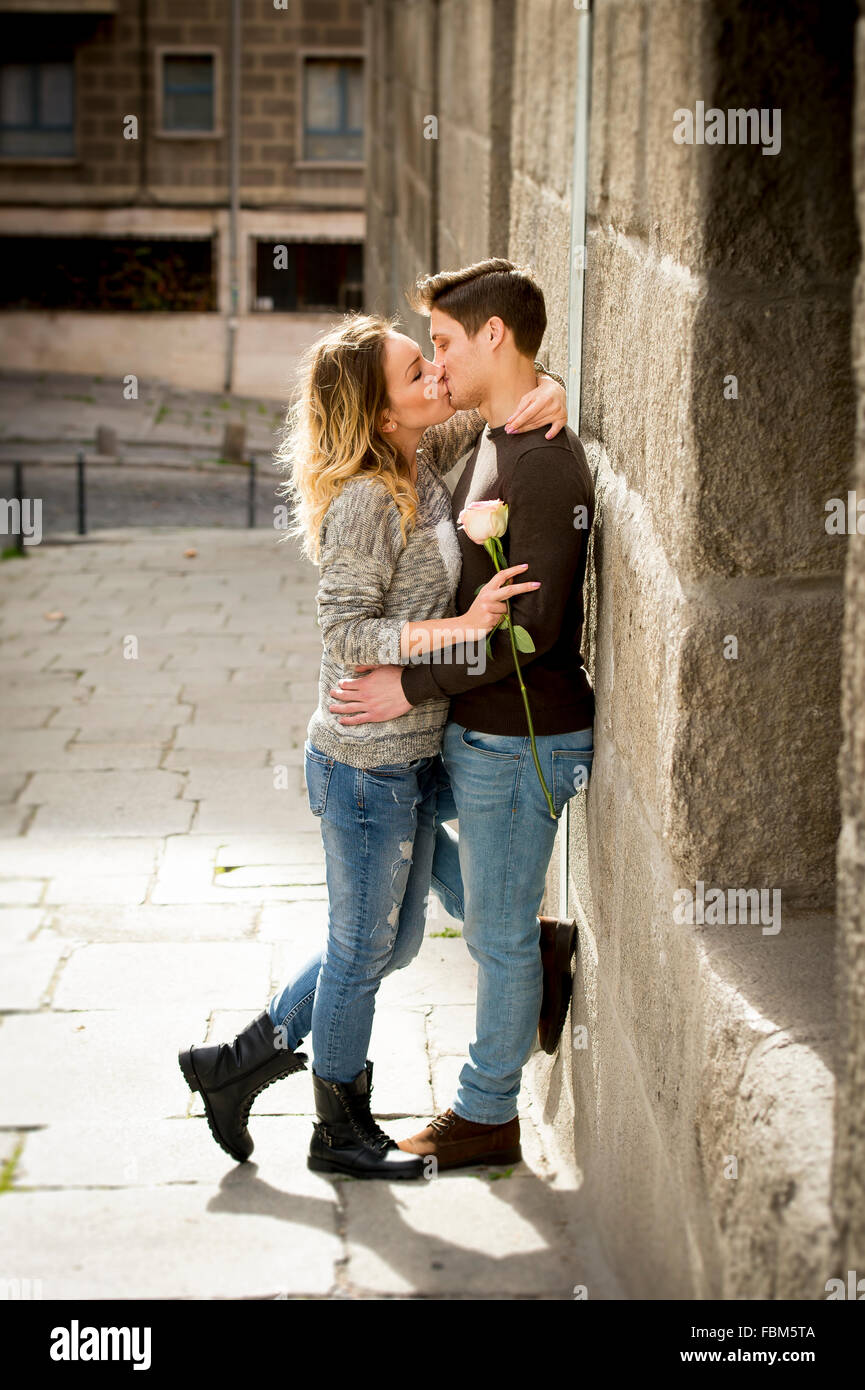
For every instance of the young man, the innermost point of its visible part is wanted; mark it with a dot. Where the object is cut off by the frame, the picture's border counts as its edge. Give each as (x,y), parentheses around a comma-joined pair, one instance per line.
(486,323)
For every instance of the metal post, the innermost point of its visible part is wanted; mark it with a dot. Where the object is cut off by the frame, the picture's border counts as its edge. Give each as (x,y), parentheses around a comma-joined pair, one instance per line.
(234,193)
(82,494)
(576,296)
(251,495)
(18,496)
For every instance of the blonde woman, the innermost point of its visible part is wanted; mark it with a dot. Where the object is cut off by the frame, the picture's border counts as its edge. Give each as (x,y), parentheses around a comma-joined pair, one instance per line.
(369,440)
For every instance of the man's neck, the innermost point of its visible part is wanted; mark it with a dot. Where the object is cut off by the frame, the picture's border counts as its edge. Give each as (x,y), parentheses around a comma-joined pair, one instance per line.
(506,390)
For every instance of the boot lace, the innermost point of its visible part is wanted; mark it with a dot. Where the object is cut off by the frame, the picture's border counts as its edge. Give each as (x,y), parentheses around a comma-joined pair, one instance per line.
(362,1122)
(442,1123)
(295,1061)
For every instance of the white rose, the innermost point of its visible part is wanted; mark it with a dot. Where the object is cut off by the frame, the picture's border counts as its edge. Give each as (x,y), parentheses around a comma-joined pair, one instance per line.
(483,520)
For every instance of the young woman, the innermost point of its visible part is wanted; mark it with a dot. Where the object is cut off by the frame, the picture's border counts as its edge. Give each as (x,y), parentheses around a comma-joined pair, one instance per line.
(372,511)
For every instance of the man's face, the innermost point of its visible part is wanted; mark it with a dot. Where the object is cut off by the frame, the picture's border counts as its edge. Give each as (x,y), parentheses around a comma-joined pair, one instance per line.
(417,396)
(466,364)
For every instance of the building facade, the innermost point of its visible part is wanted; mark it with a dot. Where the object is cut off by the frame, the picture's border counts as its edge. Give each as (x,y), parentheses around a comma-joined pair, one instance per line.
(181,184)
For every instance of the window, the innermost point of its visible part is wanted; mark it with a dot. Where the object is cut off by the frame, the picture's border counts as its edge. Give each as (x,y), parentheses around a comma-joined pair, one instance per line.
(188,90)
(333,109)
(308,276)
(37,109)
(148,274)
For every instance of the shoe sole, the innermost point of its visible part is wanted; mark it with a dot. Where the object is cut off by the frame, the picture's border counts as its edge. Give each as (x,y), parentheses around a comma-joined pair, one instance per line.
(492,1160)
(192,1081)
(321,1165)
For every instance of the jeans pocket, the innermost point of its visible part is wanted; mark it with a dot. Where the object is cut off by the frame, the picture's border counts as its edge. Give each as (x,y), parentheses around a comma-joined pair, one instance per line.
(492,745)
(572,769)
(399,769)
(394,770)
(317,771)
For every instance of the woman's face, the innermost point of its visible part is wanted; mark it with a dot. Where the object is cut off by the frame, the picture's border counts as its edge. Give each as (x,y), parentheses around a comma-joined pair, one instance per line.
(416,396)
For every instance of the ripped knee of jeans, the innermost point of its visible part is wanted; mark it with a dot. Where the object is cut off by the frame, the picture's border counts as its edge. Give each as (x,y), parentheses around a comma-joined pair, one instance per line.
(400,868)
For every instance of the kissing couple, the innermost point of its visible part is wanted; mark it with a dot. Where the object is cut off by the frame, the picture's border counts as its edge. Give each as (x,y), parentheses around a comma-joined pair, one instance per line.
(455,713)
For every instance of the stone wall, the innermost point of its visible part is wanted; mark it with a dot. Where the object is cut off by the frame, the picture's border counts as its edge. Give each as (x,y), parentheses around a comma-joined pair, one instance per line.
(711,1050)
(849,1168)
(700,1109)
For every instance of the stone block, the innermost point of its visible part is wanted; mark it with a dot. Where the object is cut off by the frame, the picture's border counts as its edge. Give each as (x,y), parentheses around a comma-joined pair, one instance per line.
(61,1067)
(148,922)
(118,712)
(479,1234)
(137,977)
(19,923)
(148,1152)
(26,972)
(110,889)
(88,1245)
(20,892)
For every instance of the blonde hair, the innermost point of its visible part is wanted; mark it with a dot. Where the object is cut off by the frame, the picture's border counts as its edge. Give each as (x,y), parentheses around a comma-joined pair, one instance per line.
(332,430)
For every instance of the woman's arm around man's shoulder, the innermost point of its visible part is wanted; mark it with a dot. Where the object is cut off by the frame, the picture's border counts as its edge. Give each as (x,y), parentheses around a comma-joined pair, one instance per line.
(442,446)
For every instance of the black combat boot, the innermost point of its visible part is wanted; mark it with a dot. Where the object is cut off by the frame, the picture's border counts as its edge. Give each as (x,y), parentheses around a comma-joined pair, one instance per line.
(229,1076)
(347,1139)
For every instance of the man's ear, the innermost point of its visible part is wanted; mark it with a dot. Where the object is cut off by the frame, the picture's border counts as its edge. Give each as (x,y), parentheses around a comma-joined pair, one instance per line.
(495,331)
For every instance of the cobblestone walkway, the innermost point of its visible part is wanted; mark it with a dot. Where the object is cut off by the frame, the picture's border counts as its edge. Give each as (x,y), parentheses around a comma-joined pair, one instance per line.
(158,881)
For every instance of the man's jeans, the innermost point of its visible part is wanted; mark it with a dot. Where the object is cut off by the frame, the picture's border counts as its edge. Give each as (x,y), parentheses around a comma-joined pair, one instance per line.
(378,832)
(492,877)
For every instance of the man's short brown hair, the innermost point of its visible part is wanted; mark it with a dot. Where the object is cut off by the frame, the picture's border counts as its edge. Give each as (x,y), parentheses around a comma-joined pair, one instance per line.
(487,289)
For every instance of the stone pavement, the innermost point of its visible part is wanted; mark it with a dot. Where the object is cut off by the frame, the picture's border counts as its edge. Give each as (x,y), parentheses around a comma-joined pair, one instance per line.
(47,416)
(160,875)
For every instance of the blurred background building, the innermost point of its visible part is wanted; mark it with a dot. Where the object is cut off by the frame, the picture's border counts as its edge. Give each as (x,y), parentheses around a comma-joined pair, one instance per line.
(181,185)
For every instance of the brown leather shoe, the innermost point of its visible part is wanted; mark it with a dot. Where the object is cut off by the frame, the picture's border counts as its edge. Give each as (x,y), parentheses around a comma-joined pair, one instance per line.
(458,1143)
(558,945)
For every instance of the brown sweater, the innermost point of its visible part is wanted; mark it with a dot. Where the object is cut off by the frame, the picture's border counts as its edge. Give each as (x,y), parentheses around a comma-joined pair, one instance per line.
(544,482)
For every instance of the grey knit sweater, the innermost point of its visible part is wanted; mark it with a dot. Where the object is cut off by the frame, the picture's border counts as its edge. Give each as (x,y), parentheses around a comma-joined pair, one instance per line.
(371,584)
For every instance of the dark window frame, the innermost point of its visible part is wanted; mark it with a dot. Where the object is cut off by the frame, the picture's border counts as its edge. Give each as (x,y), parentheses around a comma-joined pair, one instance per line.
(39,126)
(342,56)
(215,130)
(113,273)
(341,247)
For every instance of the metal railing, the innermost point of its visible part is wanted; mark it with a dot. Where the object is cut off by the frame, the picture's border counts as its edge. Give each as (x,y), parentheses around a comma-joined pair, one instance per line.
(18,494)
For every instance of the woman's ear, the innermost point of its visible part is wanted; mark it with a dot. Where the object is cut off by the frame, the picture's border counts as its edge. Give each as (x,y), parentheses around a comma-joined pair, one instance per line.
(387,424)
